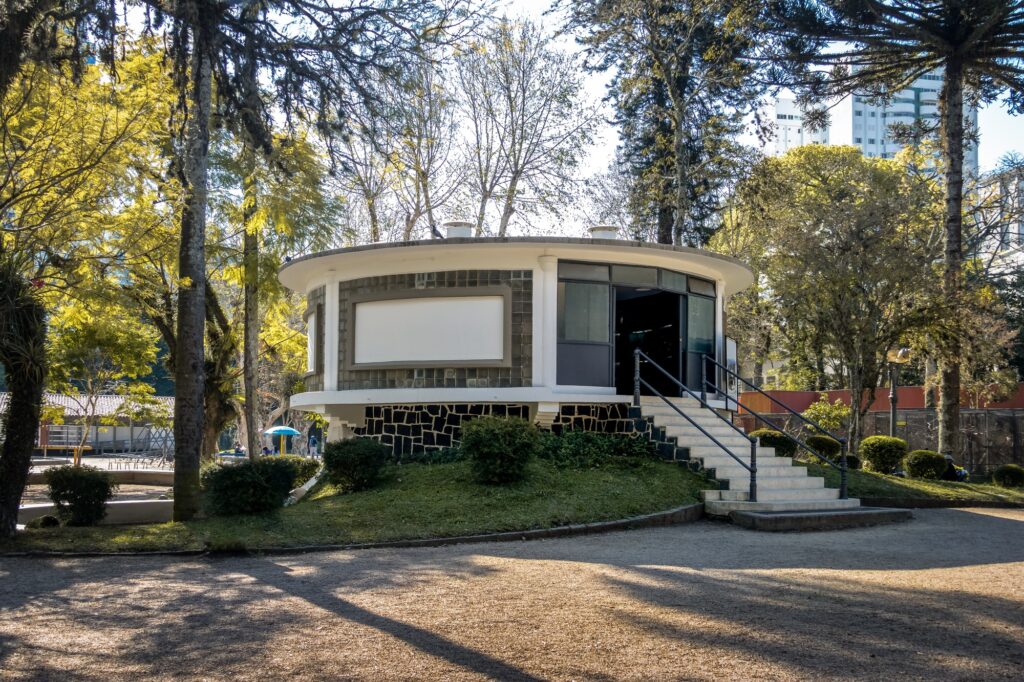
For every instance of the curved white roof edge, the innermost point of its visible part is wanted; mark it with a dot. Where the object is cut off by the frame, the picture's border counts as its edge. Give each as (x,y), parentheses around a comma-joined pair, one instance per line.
(508,253)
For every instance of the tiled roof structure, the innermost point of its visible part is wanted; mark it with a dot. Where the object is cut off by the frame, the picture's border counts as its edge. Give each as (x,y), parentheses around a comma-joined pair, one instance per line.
(73,405)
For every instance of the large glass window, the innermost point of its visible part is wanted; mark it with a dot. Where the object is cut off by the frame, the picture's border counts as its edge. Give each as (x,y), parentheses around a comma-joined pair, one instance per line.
(583,310)
(583,271)
(700,325)
(635,275)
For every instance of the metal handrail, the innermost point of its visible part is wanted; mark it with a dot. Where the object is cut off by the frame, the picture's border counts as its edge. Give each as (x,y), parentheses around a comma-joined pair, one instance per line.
(843,447)
(638,380)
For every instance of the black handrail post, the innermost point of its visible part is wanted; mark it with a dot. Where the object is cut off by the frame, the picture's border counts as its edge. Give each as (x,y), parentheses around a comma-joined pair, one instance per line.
(636,377)
(753,470)
(843,452)
(703,377)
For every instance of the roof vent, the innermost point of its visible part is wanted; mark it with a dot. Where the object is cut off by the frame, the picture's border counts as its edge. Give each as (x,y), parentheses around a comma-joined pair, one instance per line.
(458,229)
(604,232)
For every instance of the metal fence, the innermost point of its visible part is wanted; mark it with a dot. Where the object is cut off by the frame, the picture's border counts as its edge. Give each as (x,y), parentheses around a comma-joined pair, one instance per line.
(990,437)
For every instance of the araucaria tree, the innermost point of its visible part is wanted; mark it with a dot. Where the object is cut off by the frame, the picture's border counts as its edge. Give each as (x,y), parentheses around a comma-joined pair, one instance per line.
(878,47)
(687,80)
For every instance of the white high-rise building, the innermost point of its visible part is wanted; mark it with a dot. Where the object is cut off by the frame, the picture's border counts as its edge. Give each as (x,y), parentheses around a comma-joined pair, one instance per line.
(853,121)
(790,128)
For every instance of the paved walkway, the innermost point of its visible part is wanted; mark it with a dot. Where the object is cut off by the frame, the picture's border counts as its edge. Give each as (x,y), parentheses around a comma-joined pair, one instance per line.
(941,597)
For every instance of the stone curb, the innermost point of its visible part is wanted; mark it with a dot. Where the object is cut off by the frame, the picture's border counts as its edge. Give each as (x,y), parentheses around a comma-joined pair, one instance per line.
(685,514)
(926,503)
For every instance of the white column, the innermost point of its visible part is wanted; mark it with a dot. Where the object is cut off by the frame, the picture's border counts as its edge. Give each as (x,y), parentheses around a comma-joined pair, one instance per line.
(331,334)
(545,323)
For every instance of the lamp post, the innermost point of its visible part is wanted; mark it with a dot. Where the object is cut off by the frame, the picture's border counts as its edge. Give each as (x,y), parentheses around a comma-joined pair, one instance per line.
(896,358)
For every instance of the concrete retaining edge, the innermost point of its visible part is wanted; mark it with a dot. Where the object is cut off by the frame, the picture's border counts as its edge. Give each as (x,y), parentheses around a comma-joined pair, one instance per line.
(678,515)
(926,503)
(154,477)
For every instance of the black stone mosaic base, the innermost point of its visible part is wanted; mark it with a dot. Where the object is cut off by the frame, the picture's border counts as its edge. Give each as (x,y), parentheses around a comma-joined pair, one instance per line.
(414,428)
(411,428)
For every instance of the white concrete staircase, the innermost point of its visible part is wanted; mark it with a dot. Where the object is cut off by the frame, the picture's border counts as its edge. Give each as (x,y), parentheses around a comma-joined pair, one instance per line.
(781,486)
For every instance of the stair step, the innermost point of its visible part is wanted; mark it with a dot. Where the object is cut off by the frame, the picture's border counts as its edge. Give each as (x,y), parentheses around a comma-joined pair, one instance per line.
(776,482)
(831,519)
(723,508)
(734,472)
(772,494)
(720,459)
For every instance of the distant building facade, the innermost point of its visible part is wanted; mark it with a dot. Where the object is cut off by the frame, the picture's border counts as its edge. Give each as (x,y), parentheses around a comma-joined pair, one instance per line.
(854,121)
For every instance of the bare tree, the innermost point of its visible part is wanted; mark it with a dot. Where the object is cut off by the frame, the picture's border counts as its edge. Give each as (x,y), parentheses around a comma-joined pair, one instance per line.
(527,121)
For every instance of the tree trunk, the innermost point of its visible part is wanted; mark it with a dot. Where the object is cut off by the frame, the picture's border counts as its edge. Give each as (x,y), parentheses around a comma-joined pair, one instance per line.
(23,355)
(930,369)
(251,319)
(189,371)
(664,224)
(682,207)
(508,208)
(856,413)
(951,106)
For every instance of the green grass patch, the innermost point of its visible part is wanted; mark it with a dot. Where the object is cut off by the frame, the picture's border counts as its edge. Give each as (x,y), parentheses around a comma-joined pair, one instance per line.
(415,501)
(870,484)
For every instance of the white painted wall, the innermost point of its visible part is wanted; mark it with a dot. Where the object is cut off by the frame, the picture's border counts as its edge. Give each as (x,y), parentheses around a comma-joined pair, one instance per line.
(447,328)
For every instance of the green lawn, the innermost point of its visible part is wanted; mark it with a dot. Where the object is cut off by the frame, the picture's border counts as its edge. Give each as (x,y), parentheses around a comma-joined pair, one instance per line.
(869,484)
(416,501)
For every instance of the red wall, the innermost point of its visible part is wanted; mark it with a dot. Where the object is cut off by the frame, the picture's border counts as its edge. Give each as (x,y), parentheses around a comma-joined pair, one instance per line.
(907,398)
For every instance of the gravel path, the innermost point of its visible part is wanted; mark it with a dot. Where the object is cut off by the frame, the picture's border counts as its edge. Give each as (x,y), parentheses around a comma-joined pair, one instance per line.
(941,597)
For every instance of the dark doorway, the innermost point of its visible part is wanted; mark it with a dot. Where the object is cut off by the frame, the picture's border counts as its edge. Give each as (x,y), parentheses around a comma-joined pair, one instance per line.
(647,319)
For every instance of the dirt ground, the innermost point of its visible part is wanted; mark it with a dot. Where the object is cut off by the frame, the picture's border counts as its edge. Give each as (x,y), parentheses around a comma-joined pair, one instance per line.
(941,597)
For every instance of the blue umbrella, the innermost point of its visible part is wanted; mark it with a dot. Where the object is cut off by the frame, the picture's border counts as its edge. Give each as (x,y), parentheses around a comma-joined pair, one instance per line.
(282,431)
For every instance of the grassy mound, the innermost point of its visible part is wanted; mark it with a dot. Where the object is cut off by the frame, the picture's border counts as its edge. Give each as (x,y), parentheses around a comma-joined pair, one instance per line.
(415,501)
(871,484)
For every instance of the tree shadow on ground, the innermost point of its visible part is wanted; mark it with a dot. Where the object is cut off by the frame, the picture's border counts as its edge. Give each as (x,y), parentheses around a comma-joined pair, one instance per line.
(701,585)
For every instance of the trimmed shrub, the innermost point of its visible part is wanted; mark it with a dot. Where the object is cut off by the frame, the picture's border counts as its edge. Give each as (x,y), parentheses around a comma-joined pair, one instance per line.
(852,462)
(882,453)
(499,449)
(45,521)
(770,438)
(81,493)
(925,464)
(827,446)
(591,449)
(356,463)
(1009,476)
(304,468)
(437,456)
(246,487)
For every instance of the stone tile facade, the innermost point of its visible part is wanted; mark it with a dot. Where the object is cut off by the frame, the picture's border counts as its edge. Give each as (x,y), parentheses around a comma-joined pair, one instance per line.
(521,346)
(411,428)
(414,428)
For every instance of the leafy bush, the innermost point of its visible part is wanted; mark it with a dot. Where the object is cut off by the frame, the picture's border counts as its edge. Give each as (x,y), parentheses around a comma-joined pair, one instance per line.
(80,493)
(304,468)
(830,416)
(825,445)
(591,449)
(246,487)
(769,438)
(882,453)
(924,464)
(437,456)
(499,449)
(356,463)
(45,521)
(852,462)
(1009,476)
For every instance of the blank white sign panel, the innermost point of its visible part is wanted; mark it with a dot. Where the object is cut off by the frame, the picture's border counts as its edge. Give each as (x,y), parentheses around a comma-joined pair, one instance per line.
(447,328)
